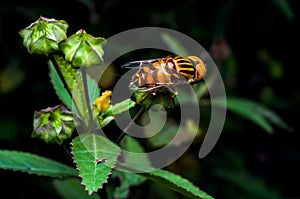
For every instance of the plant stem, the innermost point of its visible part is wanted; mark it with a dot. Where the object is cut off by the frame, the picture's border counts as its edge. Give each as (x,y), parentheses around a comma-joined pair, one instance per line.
(87,98)
(53,60)
(125,131)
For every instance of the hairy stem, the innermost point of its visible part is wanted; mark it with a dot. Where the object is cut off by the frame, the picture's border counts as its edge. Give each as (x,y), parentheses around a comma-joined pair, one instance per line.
(52,58)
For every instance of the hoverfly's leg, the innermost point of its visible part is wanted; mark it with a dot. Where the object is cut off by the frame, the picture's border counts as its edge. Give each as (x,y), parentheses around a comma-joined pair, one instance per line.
(133,87)
(172,90)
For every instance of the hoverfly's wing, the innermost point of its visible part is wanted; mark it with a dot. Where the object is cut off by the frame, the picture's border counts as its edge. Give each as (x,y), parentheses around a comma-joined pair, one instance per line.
(140,63)
(170,88)
(155,76)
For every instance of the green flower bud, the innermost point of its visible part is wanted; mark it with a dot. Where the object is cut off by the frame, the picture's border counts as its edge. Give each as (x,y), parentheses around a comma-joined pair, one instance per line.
(82,49)
(162,97)
(42,37)
(54,124)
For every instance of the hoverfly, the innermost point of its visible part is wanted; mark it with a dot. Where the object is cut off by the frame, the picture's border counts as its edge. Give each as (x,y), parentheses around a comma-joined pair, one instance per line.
(155,81)
(155,74)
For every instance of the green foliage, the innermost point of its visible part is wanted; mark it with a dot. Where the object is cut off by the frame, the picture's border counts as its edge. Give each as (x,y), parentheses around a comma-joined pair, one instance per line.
(64,68)
(130,144)
(71,188)
(162,97)
(239,181)
(163,177)
(82,49)
(58,85)
(53,125)
(42,37)
(286,9)
(122,106)
(34,164)
(127,180)
(93,89)
(255,112)
(174,45)
(83,97)
(254,187)
(95,157)
(176,183)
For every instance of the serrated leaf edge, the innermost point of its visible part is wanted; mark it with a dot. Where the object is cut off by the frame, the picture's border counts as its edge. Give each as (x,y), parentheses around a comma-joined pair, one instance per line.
(81,182)
(154,175)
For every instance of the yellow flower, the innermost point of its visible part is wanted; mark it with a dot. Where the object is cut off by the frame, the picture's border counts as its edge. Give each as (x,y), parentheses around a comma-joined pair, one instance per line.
(103,102)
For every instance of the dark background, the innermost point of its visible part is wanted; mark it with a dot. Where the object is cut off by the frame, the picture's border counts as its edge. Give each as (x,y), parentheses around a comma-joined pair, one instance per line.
(262,45)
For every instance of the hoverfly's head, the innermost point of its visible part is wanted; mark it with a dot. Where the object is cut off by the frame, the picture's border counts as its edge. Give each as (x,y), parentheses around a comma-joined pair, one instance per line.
(200,68)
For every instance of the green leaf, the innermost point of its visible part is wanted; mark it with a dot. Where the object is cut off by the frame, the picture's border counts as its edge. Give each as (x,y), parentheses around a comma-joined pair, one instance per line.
(78,94)
(93,88)
(174,45)
(74,82)
(59,87)
(126,180)
(254,187)
(176,183)
(285,8)
(117,108)
(170,132)
(95,157)
(130,144)
(84,96)
(165,136)
(73,79)
(72,189)
(255,112)
(105,121)
(122,106)
(33,164)
(273,118)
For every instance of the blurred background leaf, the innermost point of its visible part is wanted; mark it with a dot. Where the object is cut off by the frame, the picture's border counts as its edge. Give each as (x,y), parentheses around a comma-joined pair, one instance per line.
(256,112)
(286,9)
(71,188)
